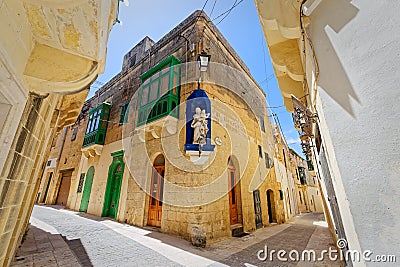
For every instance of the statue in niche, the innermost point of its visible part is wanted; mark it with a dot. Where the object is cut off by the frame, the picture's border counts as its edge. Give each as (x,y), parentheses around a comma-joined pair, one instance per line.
(200,126)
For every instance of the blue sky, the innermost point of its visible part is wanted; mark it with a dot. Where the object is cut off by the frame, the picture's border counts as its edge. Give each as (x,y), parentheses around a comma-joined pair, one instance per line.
(241,28)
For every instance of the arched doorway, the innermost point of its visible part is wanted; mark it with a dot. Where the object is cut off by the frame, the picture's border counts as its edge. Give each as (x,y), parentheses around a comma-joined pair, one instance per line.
(271,206)
(156,191)
(113,189)
(87,189)
(233,196)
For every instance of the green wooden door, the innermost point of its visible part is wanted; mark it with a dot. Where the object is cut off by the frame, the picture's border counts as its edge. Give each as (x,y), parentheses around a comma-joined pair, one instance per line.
(115,192)
(87,189)
(113,189)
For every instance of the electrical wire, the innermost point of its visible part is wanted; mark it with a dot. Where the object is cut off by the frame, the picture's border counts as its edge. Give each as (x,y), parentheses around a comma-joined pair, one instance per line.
(229,10)
(304,34)
(227,14)
(212,10)
(197,18)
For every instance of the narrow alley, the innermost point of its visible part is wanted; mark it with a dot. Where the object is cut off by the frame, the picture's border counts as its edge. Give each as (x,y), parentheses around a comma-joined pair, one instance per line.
(60,237)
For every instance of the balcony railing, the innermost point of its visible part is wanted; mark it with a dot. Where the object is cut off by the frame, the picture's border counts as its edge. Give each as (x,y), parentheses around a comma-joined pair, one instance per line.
(96,137)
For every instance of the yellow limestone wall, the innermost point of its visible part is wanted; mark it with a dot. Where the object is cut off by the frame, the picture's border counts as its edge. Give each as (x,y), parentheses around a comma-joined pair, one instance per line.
(212,217)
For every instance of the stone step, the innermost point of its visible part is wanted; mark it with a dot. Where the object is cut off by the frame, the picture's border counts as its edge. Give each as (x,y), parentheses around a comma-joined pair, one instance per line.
(237,230)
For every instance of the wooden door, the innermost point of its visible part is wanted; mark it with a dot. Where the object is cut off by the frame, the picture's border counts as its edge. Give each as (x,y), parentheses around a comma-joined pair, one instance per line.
(113,188)
(87,190)
(115,193)
(257,208)
(233,209)
(156,198)
(271,205)
(63,191)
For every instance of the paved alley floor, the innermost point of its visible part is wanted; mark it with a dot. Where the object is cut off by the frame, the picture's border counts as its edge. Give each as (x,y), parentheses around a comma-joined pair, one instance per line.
(60,237)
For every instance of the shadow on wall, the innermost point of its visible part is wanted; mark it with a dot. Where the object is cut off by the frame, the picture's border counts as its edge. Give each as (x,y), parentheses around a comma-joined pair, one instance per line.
(333,79)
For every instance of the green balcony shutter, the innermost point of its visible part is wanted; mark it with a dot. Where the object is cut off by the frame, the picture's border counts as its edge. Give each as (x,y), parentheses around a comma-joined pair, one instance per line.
(123,117)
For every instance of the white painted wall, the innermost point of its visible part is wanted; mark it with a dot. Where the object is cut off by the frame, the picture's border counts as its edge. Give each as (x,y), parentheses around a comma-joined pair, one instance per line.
(287,186)
(357,45)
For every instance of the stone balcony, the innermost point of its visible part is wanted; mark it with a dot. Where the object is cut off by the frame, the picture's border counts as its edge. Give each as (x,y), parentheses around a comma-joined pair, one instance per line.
(54,46)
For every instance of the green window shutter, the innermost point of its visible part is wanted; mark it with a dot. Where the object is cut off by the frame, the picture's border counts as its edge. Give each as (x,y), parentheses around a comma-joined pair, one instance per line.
(123,117)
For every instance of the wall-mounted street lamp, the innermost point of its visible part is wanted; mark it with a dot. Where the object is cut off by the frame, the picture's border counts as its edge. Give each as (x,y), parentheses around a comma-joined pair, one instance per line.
(203,59)
(126,2)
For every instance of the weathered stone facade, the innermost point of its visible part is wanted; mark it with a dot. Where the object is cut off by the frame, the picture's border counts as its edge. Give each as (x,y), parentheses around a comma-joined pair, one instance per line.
(50,53)
(130,157)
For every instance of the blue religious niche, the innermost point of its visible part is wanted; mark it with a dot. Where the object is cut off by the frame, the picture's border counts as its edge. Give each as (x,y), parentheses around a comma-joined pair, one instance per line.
(198,122)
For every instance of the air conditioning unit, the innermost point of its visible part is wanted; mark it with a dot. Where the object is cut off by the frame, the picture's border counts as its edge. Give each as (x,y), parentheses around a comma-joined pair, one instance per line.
(51,163)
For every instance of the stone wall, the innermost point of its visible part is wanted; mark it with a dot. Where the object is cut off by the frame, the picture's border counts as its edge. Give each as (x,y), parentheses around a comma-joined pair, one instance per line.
(233,121)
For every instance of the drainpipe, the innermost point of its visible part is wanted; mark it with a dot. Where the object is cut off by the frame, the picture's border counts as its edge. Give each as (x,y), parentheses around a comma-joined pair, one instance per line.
(61,146)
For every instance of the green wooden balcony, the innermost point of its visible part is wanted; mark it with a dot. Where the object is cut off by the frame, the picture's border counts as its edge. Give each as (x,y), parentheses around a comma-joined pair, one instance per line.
(97,125)
(159,93)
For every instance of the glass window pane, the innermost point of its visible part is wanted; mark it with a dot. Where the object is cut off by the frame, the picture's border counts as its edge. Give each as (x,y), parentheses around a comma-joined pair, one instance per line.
(161,189)
(97,120)
(154,90)
(89,125)
(93,122)
(154,187)
(174,83)
(164,85)
(165,70)
(145,95)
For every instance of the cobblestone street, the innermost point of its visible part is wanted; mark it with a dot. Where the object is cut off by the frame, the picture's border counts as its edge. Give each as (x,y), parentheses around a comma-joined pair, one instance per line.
(92,241)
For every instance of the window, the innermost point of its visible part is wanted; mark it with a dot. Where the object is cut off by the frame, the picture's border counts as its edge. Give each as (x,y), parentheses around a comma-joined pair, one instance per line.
(144,96)
(48,163)
(74,132)
(268,161)
(93,123)
(123,117)
(159,93)
(302,174)
(132,61)
(80,184)
(260,153)
(262,125)
(280,194)
(153,91)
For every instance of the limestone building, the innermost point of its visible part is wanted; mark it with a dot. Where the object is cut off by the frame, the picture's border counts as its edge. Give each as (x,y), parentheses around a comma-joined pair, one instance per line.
(308,192)
(159,148)
(336,63)
(48,59)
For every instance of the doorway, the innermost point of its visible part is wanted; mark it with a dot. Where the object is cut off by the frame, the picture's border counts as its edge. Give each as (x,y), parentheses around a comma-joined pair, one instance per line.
(47,187)
(87,190)
(271,206)
(63,191)
(157,192)
(233,199)
(257,208)
(113,189)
